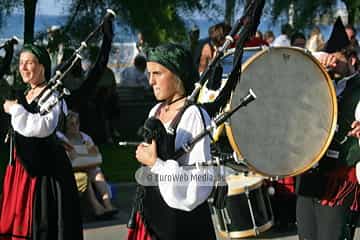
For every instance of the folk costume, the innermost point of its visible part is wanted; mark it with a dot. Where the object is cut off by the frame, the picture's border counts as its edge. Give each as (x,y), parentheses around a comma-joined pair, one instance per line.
(39,197)
(329,194)
(176,209)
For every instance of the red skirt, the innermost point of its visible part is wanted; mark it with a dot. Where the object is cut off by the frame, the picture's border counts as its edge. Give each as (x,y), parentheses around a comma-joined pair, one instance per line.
(139,232)
(16,205)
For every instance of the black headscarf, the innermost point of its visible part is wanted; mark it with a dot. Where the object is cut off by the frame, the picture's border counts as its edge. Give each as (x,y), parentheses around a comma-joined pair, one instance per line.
(178,60)
(42,55)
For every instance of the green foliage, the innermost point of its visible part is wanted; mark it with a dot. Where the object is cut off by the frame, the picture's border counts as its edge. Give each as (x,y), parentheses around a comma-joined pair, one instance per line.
(119,163)
(158,20)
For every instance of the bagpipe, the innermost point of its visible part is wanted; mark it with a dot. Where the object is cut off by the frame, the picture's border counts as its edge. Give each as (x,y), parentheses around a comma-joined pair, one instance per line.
(56,84)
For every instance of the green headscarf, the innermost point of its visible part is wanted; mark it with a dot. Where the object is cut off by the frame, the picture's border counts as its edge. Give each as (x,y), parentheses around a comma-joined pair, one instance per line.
(42,55)
(178,60)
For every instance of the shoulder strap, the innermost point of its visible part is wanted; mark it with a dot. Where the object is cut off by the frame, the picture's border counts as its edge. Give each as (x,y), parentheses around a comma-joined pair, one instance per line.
(175,122)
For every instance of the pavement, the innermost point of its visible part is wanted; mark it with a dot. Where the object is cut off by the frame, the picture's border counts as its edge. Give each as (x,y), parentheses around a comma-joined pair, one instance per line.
(115,229)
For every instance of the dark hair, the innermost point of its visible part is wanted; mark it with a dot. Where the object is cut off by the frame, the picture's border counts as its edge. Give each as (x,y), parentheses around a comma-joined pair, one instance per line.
(140,62)
(268,34)
(349,26)
(350,52)
(218,32)
(295,36)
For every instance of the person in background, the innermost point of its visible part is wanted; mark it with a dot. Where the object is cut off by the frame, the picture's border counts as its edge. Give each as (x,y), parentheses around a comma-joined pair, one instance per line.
(141,44)
(329,193)
(194,35)
(298,39)
(73,137)
(134,76)
(217,34)
(315,41)
(39,197)
(269,37)
(258,34)
(284,38)
(351,33)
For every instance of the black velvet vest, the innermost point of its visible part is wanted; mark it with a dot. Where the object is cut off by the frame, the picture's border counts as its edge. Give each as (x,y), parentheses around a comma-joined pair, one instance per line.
(37,154)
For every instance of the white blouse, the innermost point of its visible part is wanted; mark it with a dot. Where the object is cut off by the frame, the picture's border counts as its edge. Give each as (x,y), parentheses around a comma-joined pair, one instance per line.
(33,124)
(197,182)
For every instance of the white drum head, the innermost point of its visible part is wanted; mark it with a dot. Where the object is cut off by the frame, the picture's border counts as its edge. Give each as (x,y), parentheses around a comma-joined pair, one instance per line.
(291,123)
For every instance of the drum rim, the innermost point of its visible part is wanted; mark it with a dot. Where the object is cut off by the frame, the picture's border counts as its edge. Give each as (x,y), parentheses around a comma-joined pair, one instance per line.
(240,190)
(326,144)
(249,232)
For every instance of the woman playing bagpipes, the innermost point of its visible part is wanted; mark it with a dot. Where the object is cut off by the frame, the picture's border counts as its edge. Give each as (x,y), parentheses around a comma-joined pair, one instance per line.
(171,209)
(39,198)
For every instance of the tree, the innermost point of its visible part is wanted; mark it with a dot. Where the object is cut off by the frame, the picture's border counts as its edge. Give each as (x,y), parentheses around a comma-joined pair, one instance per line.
(29,6)
(353,8)
(158,20)
(29,20)
(229,11)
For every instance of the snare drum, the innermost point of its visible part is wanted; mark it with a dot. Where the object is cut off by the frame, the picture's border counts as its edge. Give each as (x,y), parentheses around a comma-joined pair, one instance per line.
(248,211)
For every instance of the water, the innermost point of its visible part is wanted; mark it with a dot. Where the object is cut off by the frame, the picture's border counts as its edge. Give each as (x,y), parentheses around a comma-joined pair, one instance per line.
(14,26)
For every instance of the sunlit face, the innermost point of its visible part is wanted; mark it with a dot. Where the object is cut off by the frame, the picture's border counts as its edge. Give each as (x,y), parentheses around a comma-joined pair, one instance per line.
(31,71)
(342,68)
(350,33)
(163,82)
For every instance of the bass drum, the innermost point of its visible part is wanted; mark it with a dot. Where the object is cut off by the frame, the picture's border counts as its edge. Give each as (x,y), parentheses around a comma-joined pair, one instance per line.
(290,125)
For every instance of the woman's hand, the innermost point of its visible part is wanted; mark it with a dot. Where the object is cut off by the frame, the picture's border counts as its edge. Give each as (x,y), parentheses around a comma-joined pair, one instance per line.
(355,132)
(8,104)
(146,153)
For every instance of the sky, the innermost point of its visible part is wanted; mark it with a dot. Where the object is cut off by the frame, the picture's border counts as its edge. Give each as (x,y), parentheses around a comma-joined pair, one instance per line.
(52,7)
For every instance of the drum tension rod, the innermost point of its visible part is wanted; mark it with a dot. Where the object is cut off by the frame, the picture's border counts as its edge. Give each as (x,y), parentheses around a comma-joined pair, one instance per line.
(256,229)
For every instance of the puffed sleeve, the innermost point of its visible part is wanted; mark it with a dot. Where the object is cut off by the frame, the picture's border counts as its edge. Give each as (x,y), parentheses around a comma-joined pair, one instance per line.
(357,114)
(33,124)
(357,117)
(184,187)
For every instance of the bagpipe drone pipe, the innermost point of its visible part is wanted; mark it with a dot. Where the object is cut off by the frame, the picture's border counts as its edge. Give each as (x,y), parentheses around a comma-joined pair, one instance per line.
(56,83)
(244,28)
